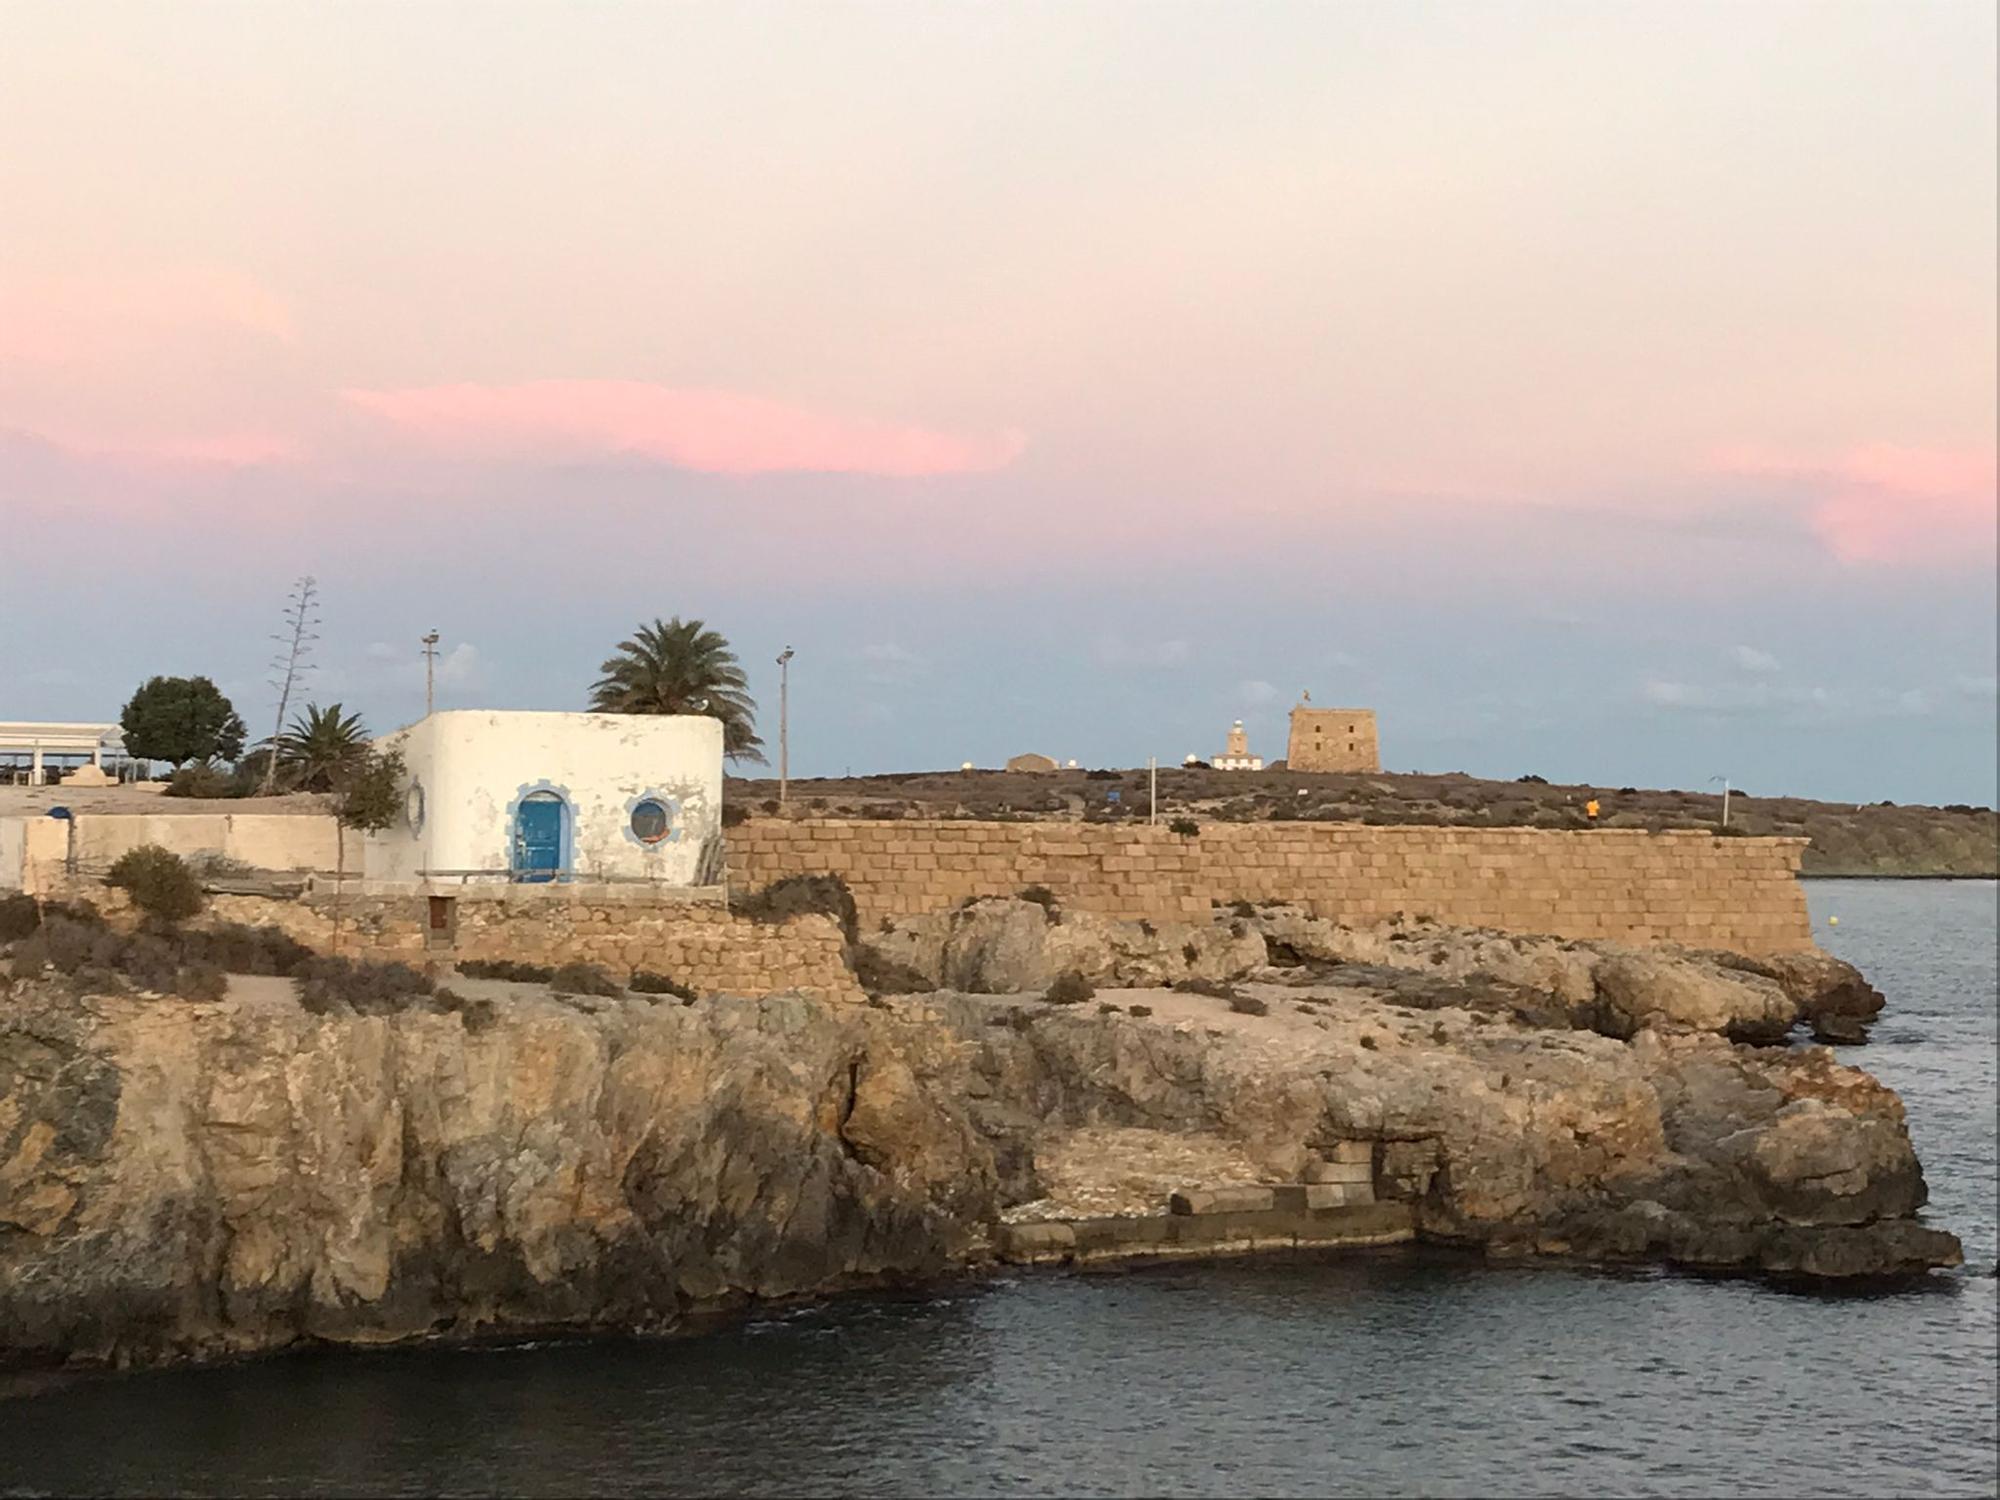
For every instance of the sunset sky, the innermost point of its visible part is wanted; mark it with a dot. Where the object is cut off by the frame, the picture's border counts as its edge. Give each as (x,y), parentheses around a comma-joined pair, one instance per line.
(1605,391)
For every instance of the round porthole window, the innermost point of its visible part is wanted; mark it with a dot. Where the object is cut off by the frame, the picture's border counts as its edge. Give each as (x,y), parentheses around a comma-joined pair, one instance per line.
(650,821)
(413,806)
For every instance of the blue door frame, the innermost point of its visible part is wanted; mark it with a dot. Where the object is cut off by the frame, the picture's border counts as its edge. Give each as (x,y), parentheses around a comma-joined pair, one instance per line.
(538,837)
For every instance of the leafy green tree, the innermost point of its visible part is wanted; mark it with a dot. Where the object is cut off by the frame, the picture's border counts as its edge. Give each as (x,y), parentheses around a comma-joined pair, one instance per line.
(681,667)
(368,796)
(181,719)
(321,747)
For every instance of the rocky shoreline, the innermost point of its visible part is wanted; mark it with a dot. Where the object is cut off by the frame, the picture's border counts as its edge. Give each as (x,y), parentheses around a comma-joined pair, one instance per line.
(196,1179)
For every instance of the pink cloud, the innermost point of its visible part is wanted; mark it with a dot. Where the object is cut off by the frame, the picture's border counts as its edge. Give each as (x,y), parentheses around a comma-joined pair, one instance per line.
(1887,504)
(716,432)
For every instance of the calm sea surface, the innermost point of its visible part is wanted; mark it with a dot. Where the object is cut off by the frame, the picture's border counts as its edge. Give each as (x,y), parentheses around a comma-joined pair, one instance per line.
(1398,1373)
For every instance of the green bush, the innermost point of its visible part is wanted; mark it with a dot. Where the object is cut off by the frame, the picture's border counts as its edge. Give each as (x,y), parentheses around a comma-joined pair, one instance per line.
(201,780)
(1141,1011)
(1070,988)
(577,978)
(505,968)
(797,895)
(159,882)
(1187,828)
(645,982)
(329,985)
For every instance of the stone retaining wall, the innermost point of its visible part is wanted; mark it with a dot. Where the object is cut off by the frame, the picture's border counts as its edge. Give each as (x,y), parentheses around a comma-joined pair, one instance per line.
(701,945)
(1625,885)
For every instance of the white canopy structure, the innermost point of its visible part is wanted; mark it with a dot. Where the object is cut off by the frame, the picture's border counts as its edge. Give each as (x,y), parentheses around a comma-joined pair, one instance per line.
(62,742)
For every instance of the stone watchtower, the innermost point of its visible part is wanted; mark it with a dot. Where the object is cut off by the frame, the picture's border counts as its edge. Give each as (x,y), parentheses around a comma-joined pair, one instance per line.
(1332,739)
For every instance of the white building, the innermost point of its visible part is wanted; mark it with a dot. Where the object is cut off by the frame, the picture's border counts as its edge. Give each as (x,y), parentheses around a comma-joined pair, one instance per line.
(1238,757)
(537,797)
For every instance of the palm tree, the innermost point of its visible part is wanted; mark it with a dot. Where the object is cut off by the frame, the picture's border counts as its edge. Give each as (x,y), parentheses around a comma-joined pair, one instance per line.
(321,747)
(681,667)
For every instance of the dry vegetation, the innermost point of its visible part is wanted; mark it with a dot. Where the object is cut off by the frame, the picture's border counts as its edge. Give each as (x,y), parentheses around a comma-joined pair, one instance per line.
(1875,839)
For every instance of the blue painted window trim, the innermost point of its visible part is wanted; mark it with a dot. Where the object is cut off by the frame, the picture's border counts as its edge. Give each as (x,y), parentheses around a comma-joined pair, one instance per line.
(676,824)
(567,868)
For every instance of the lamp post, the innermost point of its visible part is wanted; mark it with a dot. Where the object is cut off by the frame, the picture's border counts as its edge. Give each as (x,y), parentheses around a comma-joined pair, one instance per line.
(430,672)
(784,724)
(1725,797)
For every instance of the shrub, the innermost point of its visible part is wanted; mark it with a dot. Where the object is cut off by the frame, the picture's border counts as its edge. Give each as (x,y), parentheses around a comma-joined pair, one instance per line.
(797,895)
(328,985)
(1190,953)
(1070,988)
(201,780)
(1368,1043)
(239,949)
(159,882)
(1204,987)
(646,982)
(505,968)
(1040,895)
(1106,1008)
(583,979)
(1187,828)
(1248,1005)
(732,815)
(1532,780)
(1139,1010)
(19,916)
(1242,909)
(881,975)
(94,955)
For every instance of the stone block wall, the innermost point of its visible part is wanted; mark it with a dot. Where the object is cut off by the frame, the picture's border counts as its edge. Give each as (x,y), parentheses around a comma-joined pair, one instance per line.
(1624,885)
(702,945)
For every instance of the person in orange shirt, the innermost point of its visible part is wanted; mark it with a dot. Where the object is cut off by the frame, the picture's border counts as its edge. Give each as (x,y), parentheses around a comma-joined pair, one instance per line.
(1590,809)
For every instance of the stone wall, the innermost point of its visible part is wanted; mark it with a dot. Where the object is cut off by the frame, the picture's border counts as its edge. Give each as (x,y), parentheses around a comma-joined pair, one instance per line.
(34,851)
(702,945)
(1625,885)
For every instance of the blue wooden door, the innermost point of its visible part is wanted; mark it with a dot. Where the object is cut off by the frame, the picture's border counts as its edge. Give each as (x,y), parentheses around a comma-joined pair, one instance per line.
(538,837)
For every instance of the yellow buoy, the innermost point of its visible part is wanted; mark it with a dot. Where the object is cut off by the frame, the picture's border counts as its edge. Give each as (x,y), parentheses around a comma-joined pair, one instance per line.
(1833,921)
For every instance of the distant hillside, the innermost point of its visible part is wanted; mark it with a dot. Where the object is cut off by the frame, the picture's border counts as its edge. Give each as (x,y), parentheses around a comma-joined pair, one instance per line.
(1876,839)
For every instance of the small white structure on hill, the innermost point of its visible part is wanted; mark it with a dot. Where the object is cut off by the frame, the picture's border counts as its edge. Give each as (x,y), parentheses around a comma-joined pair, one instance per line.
(534,798)
(1238,757)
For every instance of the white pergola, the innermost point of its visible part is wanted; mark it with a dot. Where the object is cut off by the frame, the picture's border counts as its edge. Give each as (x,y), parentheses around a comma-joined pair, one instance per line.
(64,741)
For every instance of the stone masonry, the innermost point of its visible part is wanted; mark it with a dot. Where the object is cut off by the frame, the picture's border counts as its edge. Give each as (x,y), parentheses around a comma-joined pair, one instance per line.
(1624,885)
(1332,739)
(701,945)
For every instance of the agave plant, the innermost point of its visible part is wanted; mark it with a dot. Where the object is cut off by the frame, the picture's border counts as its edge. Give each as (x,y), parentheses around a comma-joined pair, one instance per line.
(321,747)
(681,667)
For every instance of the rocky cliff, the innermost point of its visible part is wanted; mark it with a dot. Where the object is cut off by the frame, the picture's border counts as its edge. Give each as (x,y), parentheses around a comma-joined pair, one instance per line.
(198,1178)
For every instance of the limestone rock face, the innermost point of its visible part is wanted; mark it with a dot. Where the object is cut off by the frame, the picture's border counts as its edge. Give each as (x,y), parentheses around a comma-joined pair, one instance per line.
(186,1179)
(1640,991)
(1005,946)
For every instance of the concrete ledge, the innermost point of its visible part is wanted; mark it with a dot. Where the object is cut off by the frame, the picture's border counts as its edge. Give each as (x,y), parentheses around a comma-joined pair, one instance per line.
(1160,1236)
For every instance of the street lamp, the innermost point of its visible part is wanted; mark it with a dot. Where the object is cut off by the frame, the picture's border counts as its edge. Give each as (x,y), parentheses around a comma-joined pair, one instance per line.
(1725,797)
(784,724)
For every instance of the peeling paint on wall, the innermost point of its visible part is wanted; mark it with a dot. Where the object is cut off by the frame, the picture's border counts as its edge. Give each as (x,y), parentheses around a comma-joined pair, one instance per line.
(477,767)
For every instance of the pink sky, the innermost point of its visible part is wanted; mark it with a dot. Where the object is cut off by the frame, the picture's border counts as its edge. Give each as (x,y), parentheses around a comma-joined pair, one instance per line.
(1021,294)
